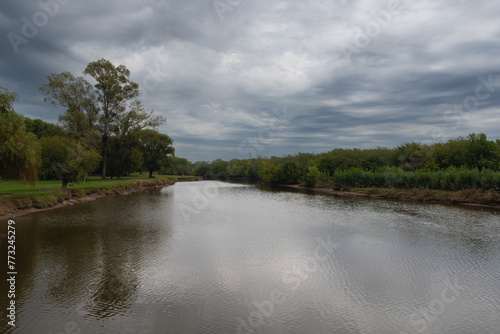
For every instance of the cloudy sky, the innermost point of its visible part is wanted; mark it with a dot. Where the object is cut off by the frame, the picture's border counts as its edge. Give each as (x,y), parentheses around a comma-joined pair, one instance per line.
(239,78)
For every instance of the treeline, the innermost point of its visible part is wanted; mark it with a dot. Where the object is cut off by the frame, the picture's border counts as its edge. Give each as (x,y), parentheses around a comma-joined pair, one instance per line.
(461,163)
(105,129)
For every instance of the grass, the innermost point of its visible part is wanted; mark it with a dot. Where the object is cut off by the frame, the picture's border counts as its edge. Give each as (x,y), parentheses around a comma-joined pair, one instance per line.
(18,188)
(489,197)
(17,195)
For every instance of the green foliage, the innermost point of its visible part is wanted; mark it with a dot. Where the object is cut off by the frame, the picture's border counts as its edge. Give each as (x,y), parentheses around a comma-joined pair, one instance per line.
(104,115)
(410,156)
(479,152)
(236,169)
(124,156)
(287,173)
(66,160)
(113,89)
(42,129)
(156,149)
(451,178)
(127,150)
(79,98)
(202,169)
(7,99)
(339,159)
(177,166)
(19,151)
(313,175)
(471,163)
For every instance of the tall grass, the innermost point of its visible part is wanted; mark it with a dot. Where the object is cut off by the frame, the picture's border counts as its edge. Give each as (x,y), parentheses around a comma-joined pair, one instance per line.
(392,177)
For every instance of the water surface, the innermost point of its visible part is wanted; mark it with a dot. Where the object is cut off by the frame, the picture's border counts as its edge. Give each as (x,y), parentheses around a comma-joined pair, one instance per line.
(212,257)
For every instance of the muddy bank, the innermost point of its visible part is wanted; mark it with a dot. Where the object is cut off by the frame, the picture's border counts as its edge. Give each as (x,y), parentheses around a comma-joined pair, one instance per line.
(468,197)
(12,207)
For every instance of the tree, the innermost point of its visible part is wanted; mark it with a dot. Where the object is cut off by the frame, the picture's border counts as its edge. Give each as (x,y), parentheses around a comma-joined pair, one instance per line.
(453,153)
(201,168)
(79,98)
(219,169)
(114,89)
(19,151)
(7,100)
(42,129)
(496,155)
(155,148)
(177,166)
(312,176)
(479,151)
(182,166)
(124,144)
(66,160)
(410,156)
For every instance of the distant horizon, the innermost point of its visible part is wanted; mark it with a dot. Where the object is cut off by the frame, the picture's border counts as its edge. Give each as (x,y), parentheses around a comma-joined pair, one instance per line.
(300,152)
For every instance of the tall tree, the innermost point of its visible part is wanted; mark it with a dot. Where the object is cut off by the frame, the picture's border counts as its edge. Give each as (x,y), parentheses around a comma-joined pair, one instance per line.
(19,151)
(155,148)
(114,89)
(126,131)
(79,98)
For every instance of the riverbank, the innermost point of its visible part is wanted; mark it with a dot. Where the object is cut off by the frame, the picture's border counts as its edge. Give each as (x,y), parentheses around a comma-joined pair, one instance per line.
(469,197)
(20,202)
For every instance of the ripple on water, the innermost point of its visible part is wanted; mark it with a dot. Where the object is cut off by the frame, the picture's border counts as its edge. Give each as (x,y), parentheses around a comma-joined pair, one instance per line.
(144,264)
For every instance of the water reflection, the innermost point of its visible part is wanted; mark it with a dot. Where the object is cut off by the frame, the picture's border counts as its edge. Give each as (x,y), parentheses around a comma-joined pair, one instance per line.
(214,257)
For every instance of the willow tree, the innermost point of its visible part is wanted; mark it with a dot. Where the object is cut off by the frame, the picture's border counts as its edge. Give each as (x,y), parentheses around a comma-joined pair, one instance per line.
(66,160)
(114,89)
(19,151)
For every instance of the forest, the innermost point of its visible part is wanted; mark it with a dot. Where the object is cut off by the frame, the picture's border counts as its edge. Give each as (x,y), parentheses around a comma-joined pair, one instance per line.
(471,162)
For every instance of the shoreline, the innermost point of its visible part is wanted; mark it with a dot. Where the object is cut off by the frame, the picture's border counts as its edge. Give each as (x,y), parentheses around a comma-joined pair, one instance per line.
(461,197)
(13,208)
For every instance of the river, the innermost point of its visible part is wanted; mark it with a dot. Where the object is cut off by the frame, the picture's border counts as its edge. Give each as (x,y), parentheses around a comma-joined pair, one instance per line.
(214,257)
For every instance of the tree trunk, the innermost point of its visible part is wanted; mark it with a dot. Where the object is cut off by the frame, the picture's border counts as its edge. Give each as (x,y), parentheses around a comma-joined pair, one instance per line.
(64,185)
(104,156)
(150,174)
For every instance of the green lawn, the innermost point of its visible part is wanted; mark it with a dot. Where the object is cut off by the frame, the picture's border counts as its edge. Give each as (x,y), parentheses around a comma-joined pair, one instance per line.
(20,189)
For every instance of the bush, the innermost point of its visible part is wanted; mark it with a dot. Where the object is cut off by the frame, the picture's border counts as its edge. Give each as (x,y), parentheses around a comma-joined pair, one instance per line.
(313,175)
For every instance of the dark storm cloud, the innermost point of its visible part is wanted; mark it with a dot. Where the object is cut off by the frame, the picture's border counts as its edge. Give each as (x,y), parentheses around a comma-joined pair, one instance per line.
(349,73)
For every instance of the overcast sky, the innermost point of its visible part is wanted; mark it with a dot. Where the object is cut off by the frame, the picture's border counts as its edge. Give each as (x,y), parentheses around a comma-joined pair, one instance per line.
(239,78)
